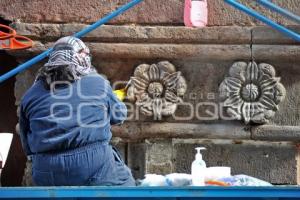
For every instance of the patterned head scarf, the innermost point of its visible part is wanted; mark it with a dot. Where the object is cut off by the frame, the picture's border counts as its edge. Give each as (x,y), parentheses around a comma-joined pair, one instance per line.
(69,61)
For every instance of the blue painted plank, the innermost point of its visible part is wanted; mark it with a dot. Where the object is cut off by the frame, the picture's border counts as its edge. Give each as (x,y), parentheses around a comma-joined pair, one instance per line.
(151,192)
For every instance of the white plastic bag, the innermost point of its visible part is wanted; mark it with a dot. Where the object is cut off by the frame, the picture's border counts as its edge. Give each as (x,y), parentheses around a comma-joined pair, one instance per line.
(244,180)
(154,180)
(179,180)
(174,179)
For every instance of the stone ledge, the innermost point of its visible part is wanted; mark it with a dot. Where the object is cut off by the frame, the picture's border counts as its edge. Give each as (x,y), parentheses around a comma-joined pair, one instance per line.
(150,51)
(197,52)
(276,133)
(139,34)
(144,130)
(267,35)
(159,34)
(222,130)
(279,53)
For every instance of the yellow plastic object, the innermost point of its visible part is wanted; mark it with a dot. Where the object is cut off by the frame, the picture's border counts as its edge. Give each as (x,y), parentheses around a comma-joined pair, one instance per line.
(121,94)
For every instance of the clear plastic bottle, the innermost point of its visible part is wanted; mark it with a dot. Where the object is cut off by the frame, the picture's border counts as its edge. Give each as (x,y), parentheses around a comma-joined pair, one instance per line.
(198,169)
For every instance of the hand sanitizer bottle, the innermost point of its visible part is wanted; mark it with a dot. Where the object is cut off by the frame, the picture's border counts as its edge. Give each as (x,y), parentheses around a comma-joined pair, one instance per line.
(198,169)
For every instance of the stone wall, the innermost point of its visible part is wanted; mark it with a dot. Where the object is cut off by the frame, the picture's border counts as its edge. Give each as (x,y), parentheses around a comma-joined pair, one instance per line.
(154,12)
(204,56)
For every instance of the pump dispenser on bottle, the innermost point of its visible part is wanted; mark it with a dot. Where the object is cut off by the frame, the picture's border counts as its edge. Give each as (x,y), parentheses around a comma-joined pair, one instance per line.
(198,169)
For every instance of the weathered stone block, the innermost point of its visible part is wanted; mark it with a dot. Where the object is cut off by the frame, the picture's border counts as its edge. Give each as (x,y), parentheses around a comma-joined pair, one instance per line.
(90,11)
(23,83)
(148,12)
(172,51)
(273,162)
(276,133)
(134,131)
(289,112)
(118,60)
(267,35)
(24,80)
(158,157)
(136,159)
(276,53)
(201,102)
(159,168)
(220,13)
(191,52)
(201,87)
(140,34)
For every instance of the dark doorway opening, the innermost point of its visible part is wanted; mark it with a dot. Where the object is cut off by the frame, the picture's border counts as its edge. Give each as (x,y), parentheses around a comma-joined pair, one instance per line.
(12,173)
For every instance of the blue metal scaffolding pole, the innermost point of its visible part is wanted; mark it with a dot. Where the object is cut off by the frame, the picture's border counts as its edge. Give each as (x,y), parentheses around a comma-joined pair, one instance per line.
(278,9)
(264,19)
(83,32)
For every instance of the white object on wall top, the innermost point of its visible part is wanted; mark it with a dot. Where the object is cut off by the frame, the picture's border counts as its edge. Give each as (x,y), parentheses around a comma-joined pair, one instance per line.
(5,142)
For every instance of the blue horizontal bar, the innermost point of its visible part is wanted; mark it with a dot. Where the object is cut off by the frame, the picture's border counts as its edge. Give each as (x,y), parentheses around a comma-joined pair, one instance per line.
(85,31)
(264,19)
(280,10)
(150,192)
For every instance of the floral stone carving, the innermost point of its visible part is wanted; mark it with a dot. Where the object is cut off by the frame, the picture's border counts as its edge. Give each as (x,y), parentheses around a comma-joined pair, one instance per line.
(251,92)
(157,89)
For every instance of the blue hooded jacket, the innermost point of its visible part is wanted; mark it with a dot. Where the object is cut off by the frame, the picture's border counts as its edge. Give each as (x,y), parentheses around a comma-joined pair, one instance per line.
(69,115)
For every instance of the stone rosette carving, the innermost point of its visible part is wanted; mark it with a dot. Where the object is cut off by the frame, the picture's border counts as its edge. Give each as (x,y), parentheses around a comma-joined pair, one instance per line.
(251,92)
(157,89)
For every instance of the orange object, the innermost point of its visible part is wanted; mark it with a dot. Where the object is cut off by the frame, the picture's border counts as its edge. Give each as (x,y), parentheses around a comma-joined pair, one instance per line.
(16,43)
(10,40)
(216,183)
(6,35)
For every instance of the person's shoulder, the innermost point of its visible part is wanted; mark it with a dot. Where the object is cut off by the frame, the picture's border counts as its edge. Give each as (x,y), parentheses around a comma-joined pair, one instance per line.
(32,92)
(95,77)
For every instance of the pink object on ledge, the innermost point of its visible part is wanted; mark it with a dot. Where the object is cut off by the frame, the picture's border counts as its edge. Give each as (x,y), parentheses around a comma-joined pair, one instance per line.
(195,13)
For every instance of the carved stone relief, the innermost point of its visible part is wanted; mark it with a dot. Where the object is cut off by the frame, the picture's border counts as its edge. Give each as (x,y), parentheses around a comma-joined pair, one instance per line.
(251,92)
(157,89)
